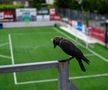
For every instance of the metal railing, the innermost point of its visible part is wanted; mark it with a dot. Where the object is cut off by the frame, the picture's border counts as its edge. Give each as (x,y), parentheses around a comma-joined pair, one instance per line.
(62,66)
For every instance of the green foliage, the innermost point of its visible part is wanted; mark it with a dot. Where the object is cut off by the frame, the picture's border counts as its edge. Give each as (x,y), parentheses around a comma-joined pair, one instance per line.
(67,4)
(37,4)
(101,6)
(74,5)
(50,6)
(3,6)
(62,3)
(6,1)
(85,5)
(96,5)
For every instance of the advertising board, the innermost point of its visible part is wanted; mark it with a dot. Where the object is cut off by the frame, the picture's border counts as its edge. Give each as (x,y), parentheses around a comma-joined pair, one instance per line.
(79,26)
(7,15)
(26,14)
(52,12)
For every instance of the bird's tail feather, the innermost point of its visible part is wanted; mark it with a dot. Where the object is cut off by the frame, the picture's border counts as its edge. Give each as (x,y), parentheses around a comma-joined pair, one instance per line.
(85,59)
(81,65)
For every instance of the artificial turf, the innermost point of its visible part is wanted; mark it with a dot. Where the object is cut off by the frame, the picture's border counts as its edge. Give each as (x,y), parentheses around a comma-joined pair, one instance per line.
(34,44)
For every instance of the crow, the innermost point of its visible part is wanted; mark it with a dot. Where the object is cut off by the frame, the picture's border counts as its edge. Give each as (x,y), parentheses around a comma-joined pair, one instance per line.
(70,49)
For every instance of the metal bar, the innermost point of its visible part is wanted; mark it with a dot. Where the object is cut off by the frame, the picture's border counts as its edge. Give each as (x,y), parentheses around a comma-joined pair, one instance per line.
(63,68)
(63,75)
(28,66)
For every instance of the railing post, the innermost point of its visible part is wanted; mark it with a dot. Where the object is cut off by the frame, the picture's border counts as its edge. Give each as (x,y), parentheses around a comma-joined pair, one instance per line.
(63,75)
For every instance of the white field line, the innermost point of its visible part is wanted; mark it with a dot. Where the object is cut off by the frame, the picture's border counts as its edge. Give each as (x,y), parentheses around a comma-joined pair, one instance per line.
(71,78)
(89,55)
(48,80)
(93,52)
(46,62)
(4,44)
(52,80)
(12,57)
(4,56)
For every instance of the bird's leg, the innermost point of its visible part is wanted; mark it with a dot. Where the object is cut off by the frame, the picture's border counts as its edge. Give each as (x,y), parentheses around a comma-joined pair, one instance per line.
(68,59)
(71,57)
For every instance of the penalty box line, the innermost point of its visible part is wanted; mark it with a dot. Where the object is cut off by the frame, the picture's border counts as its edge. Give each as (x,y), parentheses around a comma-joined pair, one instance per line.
(4,44)
(71,78)
(38,81)
(4,56)
(12,57)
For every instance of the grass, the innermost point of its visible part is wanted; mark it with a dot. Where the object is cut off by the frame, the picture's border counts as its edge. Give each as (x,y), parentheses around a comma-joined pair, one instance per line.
(35,45)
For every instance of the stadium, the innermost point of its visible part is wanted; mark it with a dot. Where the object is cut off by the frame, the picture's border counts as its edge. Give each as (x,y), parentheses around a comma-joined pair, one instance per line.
(29,61)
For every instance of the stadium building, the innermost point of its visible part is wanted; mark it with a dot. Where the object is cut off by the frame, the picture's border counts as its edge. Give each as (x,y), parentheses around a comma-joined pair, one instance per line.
(27,3)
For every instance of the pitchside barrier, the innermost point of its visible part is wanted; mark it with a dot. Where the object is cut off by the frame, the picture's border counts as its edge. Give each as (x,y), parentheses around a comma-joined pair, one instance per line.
(62,66)
(28,24)
(78,34)
(65,26)
(31,24)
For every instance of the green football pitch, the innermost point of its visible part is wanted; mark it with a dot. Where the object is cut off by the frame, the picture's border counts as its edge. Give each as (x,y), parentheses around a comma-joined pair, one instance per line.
(28,45)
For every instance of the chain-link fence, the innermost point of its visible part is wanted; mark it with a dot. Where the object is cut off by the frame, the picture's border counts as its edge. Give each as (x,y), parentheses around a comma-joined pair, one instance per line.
(95,20)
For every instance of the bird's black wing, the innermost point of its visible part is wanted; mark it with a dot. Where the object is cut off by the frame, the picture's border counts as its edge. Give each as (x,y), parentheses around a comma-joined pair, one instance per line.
(68,47)
(71,49)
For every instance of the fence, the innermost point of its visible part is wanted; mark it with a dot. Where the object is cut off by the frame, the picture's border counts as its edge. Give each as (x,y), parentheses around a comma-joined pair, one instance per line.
(62,66)
(27,24)
(95,20)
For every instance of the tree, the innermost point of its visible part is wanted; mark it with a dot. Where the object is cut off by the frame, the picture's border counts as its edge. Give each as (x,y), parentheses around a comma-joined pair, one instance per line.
(101,6)
(67,4)
(37,4)
(85,5)
(6,1)
(74,5)
(62,3)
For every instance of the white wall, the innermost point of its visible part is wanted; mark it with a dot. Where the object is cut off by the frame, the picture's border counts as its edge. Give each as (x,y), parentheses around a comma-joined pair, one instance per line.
(28,24)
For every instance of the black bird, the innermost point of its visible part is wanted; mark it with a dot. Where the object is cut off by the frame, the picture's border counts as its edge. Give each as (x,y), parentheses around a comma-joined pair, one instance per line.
(70,49)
